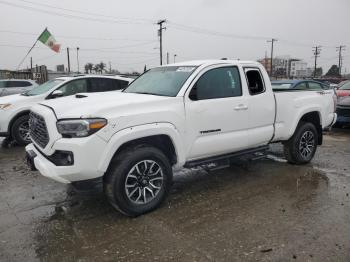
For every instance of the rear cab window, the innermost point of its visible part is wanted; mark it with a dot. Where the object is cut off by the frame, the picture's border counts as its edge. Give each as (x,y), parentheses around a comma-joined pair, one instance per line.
(255,81)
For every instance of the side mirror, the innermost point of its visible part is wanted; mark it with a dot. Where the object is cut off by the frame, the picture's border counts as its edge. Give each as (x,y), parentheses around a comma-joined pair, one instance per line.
(56,94)
(193,94)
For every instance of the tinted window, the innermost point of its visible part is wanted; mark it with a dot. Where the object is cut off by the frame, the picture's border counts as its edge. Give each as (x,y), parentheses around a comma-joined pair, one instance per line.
(315,86)
(18,84)
(301,86)
(101,85)
(3,84)
(120,84)
(345,86)
(255,82)
(217,83)
(74,87)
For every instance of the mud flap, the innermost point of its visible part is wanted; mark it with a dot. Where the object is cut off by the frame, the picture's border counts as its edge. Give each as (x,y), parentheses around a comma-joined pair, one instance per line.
(30,155)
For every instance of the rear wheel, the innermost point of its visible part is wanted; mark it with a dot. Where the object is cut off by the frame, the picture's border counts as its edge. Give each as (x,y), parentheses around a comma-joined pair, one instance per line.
(138,180)
(301,147)
(20,130)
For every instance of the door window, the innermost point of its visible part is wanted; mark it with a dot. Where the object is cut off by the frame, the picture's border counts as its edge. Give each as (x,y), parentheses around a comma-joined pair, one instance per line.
(217,83)
(301,86)
(101,85)
(315,86)
(16,83)
(254,81)
(74,87)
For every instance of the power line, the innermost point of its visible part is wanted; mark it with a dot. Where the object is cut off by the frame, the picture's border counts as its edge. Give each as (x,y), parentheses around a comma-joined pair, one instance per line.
(78,37)
(88,13)
(67,15)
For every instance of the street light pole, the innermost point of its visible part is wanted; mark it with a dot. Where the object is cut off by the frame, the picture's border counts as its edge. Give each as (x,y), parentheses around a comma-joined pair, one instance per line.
(78,58)
(175,58)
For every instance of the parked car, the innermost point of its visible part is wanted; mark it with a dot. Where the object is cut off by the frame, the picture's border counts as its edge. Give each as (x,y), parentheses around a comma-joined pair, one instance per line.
(16,86)
(171,117)
(344,89)
(299,85)
(14,109)
(343,111)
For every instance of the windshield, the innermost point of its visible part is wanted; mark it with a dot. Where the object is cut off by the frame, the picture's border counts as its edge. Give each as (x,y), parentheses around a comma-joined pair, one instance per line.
(345,86)
(162,81)
(281,85)
(39,90)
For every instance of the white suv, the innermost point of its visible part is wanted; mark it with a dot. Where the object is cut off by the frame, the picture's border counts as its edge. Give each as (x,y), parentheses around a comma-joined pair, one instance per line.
(14,109)
(16,86)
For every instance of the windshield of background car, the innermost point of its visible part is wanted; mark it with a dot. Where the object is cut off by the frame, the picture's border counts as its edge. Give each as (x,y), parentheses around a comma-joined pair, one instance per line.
(162,81)
(39,90)
(281,85)
(346,86)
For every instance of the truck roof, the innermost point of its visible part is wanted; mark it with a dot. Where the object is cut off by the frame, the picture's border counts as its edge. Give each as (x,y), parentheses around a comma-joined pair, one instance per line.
(92,76)
(211,62)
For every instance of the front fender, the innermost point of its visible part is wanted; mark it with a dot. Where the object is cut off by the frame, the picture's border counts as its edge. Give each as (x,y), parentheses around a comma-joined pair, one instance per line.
(136,132)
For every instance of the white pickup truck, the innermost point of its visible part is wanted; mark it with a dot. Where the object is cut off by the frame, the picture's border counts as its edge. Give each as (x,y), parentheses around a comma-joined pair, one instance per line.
(171,117)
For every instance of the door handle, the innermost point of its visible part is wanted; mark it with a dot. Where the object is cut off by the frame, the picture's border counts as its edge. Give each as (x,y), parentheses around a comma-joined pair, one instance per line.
(241,107)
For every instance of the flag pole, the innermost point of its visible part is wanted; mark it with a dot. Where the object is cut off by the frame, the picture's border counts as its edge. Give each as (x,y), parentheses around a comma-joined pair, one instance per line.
(30,50)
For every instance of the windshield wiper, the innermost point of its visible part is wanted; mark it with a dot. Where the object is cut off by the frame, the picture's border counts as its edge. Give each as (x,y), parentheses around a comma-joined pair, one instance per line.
(148,93)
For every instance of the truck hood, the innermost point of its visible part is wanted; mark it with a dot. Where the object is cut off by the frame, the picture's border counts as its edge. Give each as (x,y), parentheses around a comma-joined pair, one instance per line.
(87,105)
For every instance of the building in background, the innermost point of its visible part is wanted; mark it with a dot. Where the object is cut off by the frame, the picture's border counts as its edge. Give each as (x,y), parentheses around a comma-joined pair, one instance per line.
(60,68)
(286,67)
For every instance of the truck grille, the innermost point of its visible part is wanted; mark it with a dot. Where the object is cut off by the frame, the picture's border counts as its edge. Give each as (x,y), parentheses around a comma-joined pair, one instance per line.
(38,130)
(343,111)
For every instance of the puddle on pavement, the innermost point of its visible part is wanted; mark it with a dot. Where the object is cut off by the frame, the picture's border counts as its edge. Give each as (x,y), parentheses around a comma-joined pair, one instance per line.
(86,227)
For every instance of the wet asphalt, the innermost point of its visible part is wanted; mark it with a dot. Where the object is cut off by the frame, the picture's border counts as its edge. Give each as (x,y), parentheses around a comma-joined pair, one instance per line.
(264,210)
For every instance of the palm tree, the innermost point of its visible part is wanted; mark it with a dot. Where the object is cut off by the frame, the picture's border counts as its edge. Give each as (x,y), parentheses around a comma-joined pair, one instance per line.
(102,66)
(86,67)
(96,68)
(91,67)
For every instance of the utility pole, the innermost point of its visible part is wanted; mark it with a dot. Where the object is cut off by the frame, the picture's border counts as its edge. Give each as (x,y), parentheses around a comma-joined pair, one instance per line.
(78,58)
(175,58)
(271,65)
(68,60)
(167,58)
(339,50)
(110,67)
(160,34)
(31,64)
(317,52)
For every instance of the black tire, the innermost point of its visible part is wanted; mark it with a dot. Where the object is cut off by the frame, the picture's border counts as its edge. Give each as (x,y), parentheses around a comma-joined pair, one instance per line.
(16,132)
(119,170)
(294,148)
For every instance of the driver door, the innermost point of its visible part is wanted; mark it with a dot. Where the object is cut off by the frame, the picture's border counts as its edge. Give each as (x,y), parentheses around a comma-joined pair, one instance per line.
(216,113)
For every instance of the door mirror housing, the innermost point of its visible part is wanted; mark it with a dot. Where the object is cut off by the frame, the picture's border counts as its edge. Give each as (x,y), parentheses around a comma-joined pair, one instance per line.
(56,94)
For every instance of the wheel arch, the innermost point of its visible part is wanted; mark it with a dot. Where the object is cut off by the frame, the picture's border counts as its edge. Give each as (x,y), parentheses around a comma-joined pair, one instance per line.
(18,115)
(163,136)
(313,117)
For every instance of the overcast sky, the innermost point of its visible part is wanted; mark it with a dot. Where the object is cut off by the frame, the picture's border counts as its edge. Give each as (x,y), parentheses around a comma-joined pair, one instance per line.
(124,32)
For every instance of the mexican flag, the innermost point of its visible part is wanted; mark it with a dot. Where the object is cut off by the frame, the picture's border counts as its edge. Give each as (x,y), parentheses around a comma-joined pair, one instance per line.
(47,39)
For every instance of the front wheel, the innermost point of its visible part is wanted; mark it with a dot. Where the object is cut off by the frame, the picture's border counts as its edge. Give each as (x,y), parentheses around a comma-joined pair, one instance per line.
(138,180)
(301,147)
(20,130)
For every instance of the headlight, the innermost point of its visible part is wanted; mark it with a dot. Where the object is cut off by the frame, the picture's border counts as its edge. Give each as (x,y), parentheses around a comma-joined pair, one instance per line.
(80,127)
(4,106)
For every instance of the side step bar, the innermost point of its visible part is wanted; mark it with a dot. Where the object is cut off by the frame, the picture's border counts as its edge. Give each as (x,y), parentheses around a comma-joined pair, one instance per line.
(205,161)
